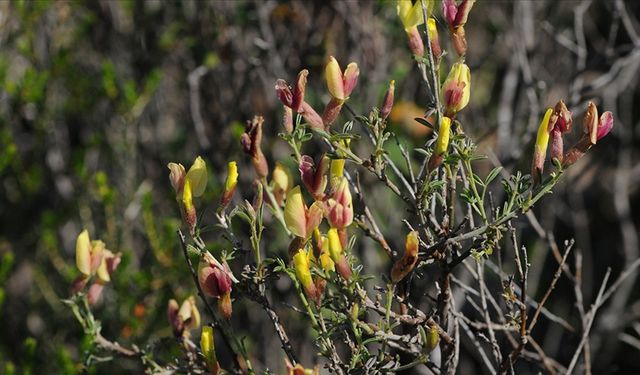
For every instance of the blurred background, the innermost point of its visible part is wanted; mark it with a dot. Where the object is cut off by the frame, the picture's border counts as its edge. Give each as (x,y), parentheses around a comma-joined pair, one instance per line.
(96,97)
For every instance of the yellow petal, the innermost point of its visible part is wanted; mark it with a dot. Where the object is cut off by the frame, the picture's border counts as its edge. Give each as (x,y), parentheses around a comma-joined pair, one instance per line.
(83,253)
(197,176)
(542,140)
(281,177)
(103,272)
(443,136)
(232,177)
(335,246)
(333,75)
(295,213)
(327,263)
(301,265)
(207,344)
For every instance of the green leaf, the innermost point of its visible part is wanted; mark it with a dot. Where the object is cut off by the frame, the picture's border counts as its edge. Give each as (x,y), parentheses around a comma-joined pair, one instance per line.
(492,175)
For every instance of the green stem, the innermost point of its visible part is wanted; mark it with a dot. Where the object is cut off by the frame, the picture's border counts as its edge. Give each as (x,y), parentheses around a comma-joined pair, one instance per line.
(276,209)
(474,189)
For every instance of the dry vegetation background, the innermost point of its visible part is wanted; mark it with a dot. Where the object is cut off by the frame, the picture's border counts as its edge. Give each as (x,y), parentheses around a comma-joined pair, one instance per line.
(97,96)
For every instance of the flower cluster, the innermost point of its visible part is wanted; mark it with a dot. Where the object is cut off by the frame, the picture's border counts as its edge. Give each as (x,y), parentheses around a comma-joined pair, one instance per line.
(93,259)
(555,123)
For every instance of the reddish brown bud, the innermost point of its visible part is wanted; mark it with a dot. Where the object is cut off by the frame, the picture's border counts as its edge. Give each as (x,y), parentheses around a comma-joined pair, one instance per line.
(331,112)
(314,177)
(416,46)
(387,102)
(311,116)
(251,144)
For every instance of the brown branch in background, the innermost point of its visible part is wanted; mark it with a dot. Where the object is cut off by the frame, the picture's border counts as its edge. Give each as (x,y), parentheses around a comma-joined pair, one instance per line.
(194,102)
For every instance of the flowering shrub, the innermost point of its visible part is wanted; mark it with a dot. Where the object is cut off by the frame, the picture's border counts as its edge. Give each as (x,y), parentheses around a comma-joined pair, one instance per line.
(363,322)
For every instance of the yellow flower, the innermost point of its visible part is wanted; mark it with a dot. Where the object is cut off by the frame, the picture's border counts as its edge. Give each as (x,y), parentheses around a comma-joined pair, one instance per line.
(443,136)
(83,253)
(456,89)
(303,274)
(230,184)
(540,150)
(301,220)
(197,176)
(207,346)
(410,14)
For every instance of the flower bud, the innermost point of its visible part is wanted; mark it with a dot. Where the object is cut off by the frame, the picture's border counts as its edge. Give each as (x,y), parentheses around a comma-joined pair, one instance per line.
(311,116)
(300,220)
(281,182)
(314,178)
(176,176)
(284,93)
(337,255)
(287,120)
(340,206)
(336,172)
(207,346)
(442,143)
(350,78)
(405,265)
(189,313)
(251,144)
(331,112)
(299,89)
(229,185)
(410,13)
(110,262)
(387,102)
(303,273)
(414,40)
(197,176)
(540,150)
(214,279)
(83,253)
(189,209)
(593,131)
(562,121)
(456,89)
(333,75)
(185,317)
(94,293)
(432,29)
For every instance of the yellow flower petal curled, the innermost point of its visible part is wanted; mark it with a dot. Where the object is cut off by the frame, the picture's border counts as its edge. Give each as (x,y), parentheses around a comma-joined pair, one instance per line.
(335,247)
(197,176)
(295,215)
(207,346)
(443,136)
(333,75)
(83,253)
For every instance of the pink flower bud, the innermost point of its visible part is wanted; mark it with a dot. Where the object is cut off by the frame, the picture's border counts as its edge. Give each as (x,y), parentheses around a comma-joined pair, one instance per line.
(331,112)
(605,125)
(416,46)
(387,102)
(314,177)
(284,93)
(340,206)
(350,78)
(311,116)
(94,293)
(214,280)
(251,144)
(298,94)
